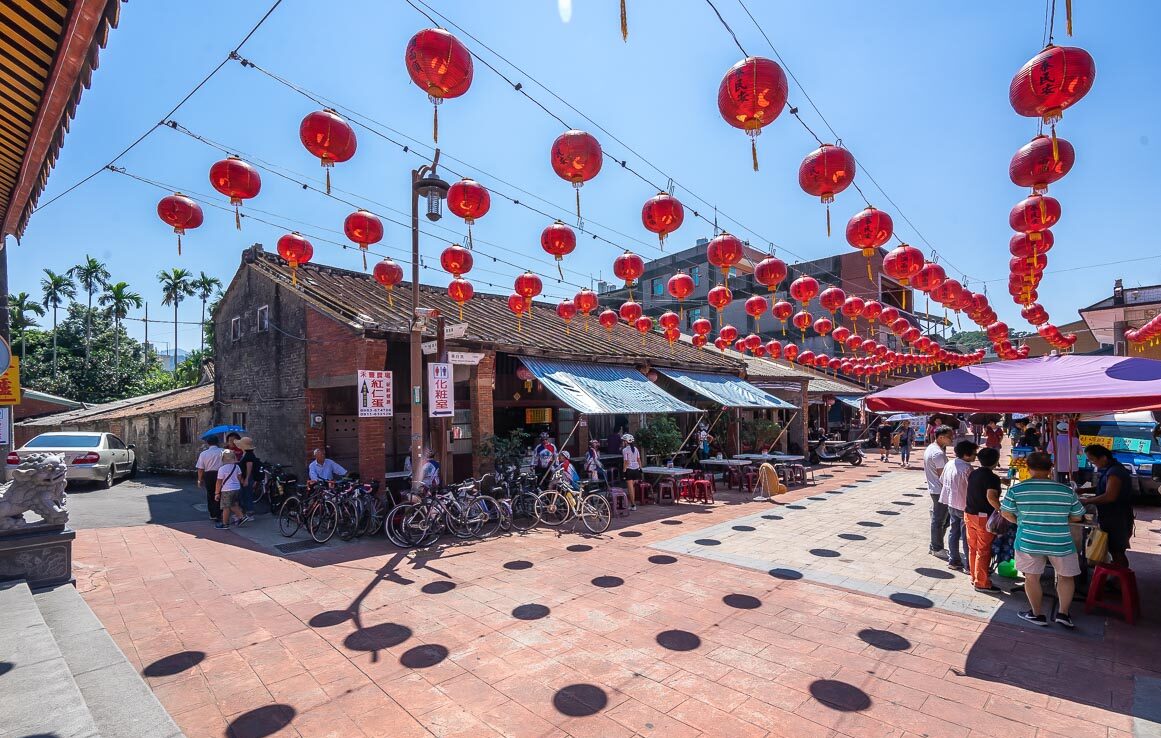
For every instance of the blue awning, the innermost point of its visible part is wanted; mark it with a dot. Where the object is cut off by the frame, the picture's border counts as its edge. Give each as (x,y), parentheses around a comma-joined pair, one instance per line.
(601,389)
(726,390)
(854,401)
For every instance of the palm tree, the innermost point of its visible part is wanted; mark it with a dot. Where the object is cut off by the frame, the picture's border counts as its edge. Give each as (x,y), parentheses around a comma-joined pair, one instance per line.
(92,276)
(204,287)
(55,288)
(118,299)
(21,308)
(175,286)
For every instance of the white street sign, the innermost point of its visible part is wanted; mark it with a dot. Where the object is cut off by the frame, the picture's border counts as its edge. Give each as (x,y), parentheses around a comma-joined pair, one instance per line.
(464,357)
(440,393)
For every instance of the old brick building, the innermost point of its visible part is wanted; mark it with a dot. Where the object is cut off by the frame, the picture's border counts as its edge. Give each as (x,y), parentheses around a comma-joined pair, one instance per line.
(287,357)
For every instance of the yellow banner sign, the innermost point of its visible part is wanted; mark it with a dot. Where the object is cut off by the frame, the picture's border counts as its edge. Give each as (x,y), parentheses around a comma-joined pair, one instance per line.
(10,384)
(1106,441)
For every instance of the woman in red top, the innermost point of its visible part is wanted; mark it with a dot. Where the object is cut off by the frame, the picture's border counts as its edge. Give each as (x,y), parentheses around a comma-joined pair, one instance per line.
(993,435)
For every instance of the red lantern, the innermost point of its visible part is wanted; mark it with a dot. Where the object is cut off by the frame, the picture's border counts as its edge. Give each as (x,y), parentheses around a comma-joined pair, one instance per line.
(911,335)
(297,251)
(180,213)
(662,214)
(559,241)
(566,311)
(326,135)
(804,289)
(751,96)
(825,172)
(1035,314)
(852,308)
(947,292)
(456,260)
(698,340)
(718,298)
(823,326)
(725,251)
(519,305)
(998,332)
(929,277)
(822,361)
(872,310)
(755,307)
(630,311)
(1056,78)
(720,345)
(753,341)
(364,229)
(644,324)
(770,272)
(702,327)
(586,303)
(576,157)
(1031,246)
(728,333)
(1034,214)
(867,230)
(468,199)
(236,180)
(901,264)
(790,352)
(1040,162)
(628,267)
(388,274)
(528,286)
(460,291)
(669,321)
(869,347)
(680,286)
(439,65)
(782,310)
(740,345)
(802,320)
(840,335)
(832,299)
(607,319)
(773,349)
(806,358)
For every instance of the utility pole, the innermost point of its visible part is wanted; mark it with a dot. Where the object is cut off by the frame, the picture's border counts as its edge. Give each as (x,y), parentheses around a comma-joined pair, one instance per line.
(147,335)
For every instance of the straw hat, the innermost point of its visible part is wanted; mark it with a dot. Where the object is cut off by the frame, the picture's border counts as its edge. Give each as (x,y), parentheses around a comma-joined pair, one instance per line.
(246,443)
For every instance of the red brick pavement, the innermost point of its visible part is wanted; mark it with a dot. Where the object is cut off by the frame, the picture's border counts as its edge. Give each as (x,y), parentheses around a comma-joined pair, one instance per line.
(363,641)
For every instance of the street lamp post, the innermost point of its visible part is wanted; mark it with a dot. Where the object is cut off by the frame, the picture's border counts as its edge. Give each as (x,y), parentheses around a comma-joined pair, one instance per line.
(424,183)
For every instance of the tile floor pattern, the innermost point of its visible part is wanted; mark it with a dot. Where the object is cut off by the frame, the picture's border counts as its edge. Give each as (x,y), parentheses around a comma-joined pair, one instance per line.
(599,637)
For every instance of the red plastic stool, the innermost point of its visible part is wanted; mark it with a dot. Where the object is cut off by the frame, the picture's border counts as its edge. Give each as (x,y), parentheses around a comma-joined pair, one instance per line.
(1129,606)
(644,492)
(733,476)
(703,489)
(685,488)
(751,477)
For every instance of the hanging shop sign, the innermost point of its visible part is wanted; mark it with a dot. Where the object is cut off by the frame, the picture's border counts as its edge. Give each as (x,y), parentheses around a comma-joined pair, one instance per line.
(440,394)
(374,392)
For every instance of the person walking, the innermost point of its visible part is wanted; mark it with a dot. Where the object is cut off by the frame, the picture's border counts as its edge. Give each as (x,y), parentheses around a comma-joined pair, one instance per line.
(993,435)
(1042,510)
(884,437)
(227,489)
(250,467)
(906,441)
(934,461)
(631,464)
(983,499)
(208,463)
(1113,501)
(953,494)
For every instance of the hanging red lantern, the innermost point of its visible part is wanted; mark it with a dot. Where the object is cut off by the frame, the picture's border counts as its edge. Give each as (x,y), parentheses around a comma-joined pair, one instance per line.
(804,289)
(888,315)
(1055,79)
(911,335)
(326,135)
(806,358)
(528,286)
(929,277)
(701,327)
(869,347)
(388,274)
(823,326)
(802,320)
(669,319)
(698,340)
(297,251)
(867,230)
(630,311)
(852,308)
(1031,246)
(644,325)
(901,264)
(782,310)
(680,286)
(840,335)
(790,352)
(558,240)
(755,307)
(607,319)
(566,311)
(751,96)
(720,345)
(468,199)
(770,272)
(628,267)
(872,310)
(236,180)
(728,333)
(662,214)
(180,213)
(725,251)
(997,332)
(519,305)
(718,297)
(1034,314)
(586,303)
(439,65)
(364,229)
(753,341)
(825,172)
(460,291)
(456,260)
(740,345)
(831,299)
(1034,214)
(821,361)
(899,325)
(576,157)
(1040,162)
(773,349)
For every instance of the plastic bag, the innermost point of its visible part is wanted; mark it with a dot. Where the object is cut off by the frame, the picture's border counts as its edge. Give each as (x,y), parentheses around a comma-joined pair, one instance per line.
(1097,550)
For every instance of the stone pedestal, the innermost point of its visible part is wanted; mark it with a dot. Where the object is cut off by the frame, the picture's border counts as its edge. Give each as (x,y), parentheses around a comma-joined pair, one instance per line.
(43,556)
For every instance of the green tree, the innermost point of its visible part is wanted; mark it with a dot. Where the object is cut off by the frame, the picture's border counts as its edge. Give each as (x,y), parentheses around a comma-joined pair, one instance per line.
(176,285)
(56,288)
(189,372)
(204,288)
(91,275)
(660,438)
(117,300)
(21,308)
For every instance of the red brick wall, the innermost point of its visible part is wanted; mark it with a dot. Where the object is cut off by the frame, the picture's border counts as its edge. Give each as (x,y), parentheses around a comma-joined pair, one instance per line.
(29,408)
(480,386)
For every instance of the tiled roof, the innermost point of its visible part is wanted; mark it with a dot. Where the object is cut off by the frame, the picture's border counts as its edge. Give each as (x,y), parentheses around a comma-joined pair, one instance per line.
(356,299)
(142,405)
(32,394)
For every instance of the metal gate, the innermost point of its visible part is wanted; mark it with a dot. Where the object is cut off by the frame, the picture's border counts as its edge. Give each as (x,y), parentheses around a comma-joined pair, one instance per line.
(343,440)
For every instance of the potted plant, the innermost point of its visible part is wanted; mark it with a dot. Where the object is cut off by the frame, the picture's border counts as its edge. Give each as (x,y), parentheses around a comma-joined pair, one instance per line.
(660,438)
(759,433)
(506,450)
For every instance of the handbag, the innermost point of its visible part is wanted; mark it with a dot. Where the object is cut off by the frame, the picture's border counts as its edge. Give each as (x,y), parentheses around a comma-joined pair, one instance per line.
(1097,550)
(997,524)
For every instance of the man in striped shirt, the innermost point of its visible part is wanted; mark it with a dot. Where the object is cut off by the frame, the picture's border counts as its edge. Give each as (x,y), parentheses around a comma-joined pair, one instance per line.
(1042,510)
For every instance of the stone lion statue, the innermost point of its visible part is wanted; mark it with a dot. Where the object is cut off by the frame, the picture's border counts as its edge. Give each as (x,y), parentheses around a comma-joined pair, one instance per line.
(38,485)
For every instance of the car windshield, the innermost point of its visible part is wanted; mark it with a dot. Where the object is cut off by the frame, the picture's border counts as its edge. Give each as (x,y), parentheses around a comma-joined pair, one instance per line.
(64,441)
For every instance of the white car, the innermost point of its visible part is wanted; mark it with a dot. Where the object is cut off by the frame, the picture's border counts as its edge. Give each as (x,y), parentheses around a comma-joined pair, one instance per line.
(91,457)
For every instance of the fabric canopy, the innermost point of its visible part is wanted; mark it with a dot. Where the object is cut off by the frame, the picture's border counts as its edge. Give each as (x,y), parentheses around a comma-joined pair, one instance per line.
(726,390)
(854,401)
(600,389)
(1049,384)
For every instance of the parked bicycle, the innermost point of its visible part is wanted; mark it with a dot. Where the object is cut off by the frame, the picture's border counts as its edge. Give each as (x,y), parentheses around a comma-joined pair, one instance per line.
(561,502)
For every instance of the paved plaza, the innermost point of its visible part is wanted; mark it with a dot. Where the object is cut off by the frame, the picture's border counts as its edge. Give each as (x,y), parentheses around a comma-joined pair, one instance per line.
(737,619)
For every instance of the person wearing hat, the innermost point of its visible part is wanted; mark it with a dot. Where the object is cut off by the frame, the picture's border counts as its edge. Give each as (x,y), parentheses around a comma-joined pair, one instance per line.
(565,463)
(631,463)
(1064,445)
(594,470)
(543,457)
(227,488)
(250,467)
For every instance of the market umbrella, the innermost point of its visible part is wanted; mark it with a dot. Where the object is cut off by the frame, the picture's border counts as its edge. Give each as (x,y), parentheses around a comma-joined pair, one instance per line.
(221,430)
(1048,384)
(983,418)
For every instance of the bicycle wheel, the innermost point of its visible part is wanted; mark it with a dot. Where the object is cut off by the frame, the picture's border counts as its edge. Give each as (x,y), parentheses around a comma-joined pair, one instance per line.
(552,508)
(395,526)
(375,514)
(487,510)
(524,511)
(457,521)
(349,513)
(595,513)
(505,514)
(322,520)
(259,491)
(290,516)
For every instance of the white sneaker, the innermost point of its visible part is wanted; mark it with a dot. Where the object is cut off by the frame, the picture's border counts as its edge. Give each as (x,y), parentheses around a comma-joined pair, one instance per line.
(632,508)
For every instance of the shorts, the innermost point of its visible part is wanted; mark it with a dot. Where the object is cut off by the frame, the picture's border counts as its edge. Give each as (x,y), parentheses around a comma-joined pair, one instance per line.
(1065,566)
(229,498)
(632,475)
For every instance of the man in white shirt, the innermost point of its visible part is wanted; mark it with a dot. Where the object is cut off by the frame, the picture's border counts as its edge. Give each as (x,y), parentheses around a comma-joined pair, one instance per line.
(209,461)
(954,481)
(934,460)
(323,469)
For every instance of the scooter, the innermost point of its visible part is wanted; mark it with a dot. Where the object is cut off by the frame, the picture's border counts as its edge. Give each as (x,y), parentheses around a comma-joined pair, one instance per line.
(851,452)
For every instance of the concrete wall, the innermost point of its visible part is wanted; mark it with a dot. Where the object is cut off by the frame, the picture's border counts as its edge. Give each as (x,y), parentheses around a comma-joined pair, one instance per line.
(158,441)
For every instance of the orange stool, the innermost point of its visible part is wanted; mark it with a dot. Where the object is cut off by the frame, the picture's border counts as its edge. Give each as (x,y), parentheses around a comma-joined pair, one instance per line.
(1130,605)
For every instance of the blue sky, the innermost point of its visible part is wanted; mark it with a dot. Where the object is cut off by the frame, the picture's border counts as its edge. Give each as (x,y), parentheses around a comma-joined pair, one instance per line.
(916,89)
